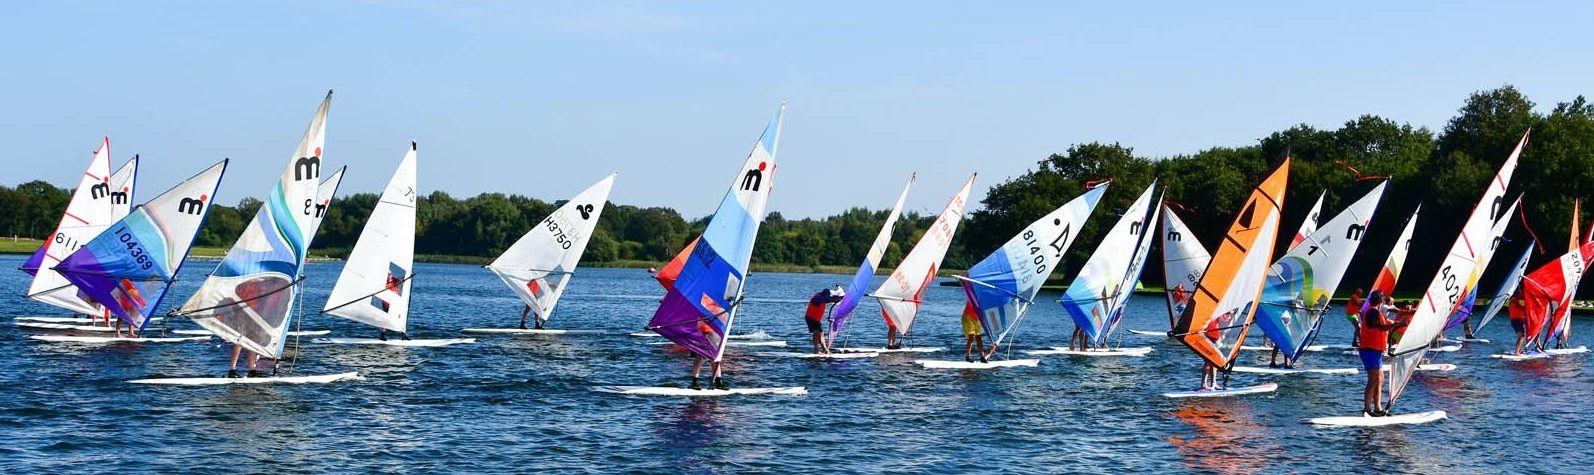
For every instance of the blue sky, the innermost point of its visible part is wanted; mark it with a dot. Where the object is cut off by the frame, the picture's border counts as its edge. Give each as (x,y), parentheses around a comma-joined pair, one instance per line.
(543,98)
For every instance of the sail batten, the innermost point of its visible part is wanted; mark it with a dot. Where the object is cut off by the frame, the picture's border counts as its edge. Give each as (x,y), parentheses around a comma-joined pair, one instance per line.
(1096,298)
(374,286)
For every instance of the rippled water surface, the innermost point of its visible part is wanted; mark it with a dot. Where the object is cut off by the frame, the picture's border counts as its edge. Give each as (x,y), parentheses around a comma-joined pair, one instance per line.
(523,404)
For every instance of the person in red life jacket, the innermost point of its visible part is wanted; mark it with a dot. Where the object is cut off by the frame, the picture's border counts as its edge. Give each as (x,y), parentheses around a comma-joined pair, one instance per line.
(1376,323)
(1517,310)
(819,307)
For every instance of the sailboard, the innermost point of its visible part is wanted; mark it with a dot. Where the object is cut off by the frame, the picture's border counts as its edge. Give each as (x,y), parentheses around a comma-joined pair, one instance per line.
(1221,309)
(539,265)
(248,299)
(1096,298)
(701,303)
(1184,258)
(1301,284)
(1001,287)
(1502,295)
(88,212)
(1309,225)
(902,294)
(871,262)
(317,379)
(133,263)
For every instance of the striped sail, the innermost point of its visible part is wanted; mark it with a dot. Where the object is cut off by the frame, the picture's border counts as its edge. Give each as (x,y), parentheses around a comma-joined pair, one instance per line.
(1002,287)
(700,306)
(1183,261)
(901,295)
(1301,284)
(1310,224)
(88,212)
(1389,274)
(1463,310)
(1096,298)
(1444,291)
(374,286)
(538,266)
(1508,286)
(130,266)
(248,299)
(871,262)
(1220,312)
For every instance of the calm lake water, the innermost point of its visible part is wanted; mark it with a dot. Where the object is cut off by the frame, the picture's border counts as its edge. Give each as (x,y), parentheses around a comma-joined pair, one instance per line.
(522,404)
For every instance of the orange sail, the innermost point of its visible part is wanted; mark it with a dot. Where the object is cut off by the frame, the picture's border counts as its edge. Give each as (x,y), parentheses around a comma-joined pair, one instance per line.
(1224,304)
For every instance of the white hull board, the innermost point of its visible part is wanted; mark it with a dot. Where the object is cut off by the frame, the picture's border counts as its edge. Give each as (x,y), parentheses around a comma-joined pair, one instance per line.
(943,364)
(1267,370)
(325,378)
(112,339)
(415,342)
(1139,351)
(1258,389)
(667,391)
(1370,421)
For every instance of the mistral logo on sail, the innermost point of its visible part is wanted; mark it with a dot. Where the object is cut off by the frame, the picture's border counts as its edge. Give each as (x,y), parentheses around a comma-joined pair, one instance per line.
(191,205)
(308,168)
(754,178)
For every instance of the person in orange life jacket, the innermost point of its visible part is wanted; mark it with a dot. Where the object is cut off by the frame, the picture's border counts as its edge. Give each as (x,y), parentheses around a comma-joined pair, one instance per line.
(818,309)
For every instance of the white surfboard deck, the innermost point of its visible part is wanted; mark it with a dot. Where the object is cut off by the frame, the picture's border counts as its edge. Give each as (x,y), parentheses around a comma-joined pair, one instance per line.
(1258,389)
(1567,351)
(1532,355)
(414,342)
(1149,333)
(1134,351)
(905,349)
(529,331)
(67,327)
(113,339)
(668,391)
(736,343)
(758,335)
(816,356)
(1268,370)
(1370,421)
(324,378)
(944,364)
(72,320)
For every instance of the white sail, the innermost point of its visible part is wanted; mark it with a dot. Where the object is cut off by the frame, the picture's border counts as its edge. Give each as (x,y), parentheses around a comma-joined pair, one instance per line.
(87,214)
(1310,224)
(1096,298)
(374,287)
(1447,285)
(901,294)
(248,299)
(1183,261)
(539,265)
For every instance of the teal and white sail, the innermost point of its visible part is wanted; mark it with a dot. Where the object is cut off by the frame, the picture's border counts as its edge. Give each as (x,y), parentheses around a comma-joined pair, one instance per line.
(1508,286)
(1301,284)
(374,286)
(1310,224)
(871,262)
(1002,287)
(1096,298)
(248,299)
(1184,259)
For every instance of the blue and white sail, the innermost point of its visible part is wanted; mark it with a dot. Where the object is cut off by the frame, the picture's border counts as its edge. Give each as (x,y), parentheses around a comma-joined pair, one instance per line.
(871,262)
(248,299)
(1002,287)
(1096,298)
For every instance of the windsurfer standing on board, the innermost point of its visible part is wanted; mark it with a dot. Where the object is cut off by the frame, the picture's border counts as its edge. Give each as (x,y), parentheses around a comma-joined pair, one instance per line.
(818,309)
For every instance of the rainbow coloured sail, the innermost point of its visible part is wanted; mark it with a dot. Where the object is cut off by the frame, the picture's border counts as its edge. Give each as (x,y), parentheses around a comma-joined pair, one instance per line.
(130,266)
(1301,284)
(702,300)
(1097,296)
(1002,287)
(248,299)
(871,261)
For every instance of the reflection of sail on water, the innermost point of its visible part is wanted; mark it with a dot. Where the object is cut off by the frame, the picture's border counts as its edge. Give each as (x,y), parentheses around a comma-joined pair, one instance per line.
(1444,290)
(539,265)
(901,295)
(1002,287)
(1301,284)
(248,299)
(131,265)
(1183,261)
(871,262)
(1096,298)
(88,212)
(1222,305)
(704,294)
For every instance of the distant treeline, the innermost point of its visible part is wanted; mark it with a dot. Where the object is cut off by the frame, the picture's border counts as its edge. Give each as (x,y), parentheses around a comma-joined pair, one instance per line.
(1444,173)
